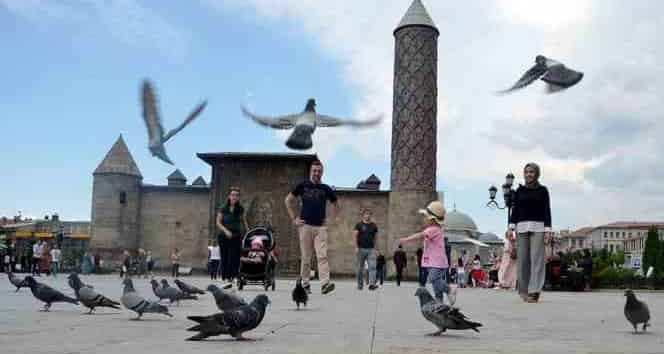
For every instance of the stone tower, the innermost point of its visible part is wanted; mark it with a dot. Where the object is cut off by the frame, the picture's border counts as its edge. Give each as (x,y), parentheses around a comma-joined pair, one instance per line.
(116,198)
(413,174)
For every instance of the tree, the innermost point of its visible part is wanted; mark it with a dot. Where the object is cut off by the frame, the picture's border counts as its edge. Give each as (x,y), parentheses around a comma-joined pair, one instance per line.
(651,253)
(618,258)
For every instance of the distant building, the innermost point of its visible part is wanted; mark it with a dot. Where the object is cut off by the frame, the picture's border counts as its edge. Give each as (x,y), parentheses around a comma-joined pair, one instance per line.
(612,236)
(572,241)
(459,228)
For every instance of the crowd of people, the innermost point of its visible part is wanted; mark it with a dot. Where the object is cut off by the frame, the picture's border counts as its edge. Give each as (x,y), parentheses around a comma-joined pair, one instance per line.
(43,258)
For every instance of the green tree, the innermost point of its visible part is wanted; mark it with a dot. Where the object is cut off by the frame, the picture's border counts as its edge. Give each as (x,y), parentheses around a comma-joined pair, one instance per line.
(652,252)
(618,258)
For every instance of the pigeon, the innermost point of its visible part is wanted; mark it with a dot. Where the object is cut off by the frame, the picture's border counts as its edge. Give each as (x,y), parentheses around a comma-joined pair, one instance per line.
(88,297)
(132,301)
(557,76)
(156,135)
(305,124)
(636,311)
(300,295)
(188,289)
(16,281)
(47,294)
(174,294)
(232,322)
(225,300)
(442,316)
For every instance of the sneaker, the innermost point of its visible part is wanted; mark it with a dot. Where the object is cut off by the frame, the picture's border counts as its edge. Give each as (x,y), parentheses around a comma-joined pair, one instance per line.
(327,288)
(307,287)
(373,287)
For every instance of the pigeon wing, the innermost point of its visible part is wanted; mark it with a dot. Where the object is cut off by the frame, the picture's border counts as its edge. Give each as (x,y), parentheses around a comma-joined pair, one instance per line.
(282,122)
(151,113)
(241,319)
(329,121)
(560,75)
(528,78)
(188,120)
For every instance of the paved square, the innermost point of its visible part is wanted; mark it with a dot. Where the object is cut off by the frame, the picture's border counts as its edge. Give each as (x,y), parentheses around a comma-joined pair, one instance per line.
(337,323)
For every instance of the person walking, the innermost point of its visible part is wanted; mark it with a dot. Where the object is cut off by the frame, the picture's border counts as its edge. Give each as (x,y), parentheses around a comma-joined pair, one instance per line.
(175,263)
(364,235)
(142,263)
(36,258)
(215,258)
(149,260)
(380,268)
(400,262)
(126,264)
(531,220)
(507,273)
(461,273)
(434,258)
(232,223)
(55,261)
(312,224)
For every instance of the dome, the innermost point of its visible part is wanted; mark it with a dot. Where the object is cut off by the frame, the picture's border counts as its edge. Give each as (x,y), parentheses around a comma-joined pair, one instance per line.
(456,220)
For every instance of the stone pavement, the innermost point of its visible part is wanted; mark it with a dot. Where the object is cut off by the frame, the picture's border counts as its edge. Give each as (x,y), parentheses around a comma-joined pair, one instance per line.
(342,322)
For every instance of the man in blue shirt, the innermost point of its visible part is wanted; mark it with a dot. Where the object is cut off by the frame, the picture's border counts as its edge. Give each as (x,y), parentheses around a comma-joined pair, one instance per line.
(312,224)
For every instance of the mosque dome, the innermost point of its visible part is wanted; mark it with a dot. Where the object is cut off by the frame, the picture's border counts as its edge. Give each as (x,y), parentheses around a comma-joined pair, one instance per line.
(458,221)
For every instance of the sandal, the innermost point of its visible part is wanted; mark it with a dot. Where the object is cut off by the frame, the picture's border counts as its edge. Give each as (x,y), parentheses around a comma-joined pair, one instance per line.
(532,298)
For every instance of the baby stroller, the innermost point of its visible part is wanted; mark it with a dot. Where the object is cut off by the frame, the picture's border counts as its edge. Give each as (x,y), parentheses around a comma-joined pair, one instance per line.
(257,266)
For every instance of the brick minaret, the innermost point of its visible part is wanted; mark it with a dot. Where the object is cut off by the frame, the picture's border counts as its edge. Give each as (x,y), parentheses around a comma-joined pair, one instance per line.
(413,175)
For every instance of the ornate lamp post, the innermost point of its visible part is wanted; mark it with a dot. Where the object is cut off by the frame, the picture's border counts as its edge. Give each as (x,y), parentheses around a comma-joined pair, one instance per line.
(508,195)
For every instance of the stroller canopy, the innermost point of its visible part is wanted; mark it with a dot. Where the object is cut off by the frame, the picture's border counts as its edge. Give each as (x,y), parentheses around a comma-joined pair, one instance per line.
(263,234)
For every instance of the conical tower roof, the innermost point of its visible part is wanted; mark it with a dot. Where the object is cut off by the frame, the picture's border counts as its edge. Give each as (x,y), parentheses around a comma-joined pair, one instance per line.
(177,176)
(199,182)
(119,160)
(416,15)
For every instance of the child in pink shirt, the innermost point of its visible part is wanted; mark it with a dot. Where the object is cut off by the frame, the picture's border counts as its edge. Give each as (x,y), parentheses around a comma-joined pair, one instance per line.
(434,259)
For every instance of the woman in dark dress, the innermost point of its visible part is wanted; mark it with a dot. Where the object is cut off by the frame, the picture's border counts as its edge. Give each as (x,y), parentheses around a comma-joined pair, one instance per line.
(531,220)
(232,223)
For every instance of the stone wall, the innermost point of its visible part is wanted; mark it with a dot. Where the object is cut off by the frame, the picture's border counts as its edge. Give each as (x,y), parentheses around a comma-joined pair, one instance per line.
(114,226)
(175,217)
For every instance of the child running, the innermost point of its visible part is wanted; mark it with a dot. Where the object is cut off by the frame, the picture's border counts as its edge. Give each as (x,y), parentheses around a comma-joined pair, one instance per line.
(434,259)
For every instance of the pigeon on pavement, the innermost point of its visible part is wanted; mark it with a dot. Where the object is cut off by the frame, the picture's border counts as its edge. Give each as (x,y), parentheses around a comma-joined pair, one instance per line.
(88,296)
(174,294)
(305,123)
(636,311)
(16,281)
(300,295)
(225,300)
(232,322)
(134,302)
(187,288)
(557,76)
(442,316)
(156,135)
(47,294)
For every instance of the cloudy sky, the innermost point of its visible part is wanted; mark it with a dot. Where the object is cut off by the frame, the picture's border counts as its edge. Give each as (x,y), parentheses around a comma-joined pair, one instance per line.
(71,72)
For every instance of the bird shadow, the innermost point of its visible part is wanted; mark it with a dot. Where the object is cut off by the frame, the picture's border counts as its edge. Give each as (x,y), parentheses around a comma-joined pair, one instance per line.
(230,340)
(305,309)
(454,336)
(100,314)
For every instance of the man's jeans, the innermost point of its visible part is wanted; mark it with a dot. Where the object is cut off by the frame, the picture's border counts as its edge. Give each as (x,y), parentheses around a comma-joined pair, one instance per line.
(54,268)
(366,255)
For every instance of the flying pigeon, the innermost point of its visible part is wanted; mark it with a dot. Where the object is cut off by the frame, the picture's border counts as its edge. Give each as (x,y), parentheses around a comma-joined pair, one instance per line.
(225,300)
(557,76)
(636,311)
(300,295)
(232,322)
(88,297)
(47,294)
(305,124)
(174,294)
(16,281)
(442,316)
(153,122)
(188,289)
(132,301)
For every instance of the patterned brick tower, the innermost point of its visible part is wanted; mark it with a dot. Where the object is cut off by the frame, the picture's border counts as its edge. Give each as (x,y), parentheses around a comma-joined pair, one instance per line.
(413,175)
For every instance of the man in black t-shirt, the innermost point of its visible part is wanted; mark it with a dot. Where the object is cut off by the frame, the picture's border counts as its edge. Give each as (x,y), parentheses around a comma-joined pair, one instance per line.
(312,224)
(364,234)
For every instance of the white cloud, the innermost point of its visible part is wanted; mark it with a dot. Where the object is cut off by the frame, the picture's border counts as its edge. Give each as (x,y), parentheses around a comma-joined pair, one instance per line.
(126,21)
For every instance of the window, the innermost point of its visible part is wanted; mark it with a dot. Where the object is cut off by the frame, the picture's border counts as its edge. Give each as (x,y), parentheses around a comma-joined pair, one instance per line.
(611,234)
(606,234)
(623,234)
(611,248)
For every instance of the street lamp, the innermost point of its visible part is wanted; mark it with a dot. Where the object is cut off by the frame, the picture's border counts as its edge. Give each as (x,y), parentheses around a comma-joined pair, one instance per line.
(508,195)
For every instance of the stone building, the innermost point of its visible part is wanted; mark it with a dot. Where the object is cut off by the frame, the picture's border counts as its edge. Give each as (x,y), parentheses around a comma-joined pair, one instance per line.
(127,214)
